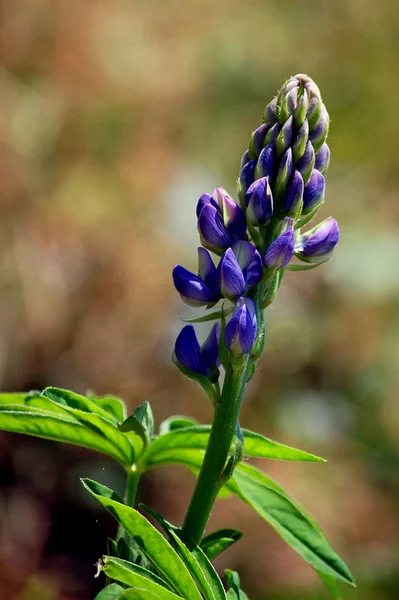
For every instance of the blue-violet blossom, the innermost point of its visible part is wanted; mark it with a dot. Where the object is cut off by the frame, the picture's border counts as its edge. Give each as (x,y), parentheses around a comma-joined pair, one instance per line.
(204,359)
(239,269)
(240,332)
(319,242)
(221,222)
(198,290)
(280,252)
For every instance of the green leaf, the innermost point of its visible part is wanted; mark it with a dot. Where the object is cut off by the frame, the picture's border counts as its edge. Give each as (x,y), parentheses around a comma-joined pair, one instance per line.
(136,434)
(68,400)
(115,407)
(134,576)
(303,267)
(196,561)
(255,445)
(214,316)
(288,519)
(330,584)
(233,581)
(176,422)
(152,543)
(111,592)
(58,425)
(217,542)
(143,414)
(139,594)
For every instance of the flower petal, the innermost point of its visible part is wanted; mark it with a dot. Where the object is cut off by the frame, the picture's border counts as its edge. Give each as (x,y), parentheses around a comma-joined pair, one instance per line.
(280,252)
(191,288)
(212,230)
(209,352)
(250,262)
(232,282)
(240,332)
(187,349)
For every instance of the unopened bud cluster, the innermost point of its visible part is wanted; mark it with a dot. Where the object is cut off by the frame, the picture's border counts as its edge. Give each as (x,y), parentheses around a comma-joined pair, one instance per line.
(281,186)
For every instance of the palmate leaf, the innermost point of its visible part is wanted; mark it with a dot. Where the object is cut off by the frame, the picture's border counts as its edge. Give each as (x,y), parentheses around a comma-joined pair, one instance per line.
(255,445)
(153,544)
(194,558)
(289,519)
(135,576)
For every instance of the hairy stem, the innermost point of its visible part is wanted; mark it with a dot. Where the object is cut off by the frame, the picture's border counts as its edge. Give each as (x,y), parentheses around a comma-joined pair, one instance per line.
(212,473)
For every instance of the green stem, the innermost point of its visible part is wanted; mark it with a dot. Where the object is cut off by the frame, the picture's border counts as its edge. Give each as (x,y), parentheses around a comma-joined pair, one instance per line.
(129,497)
(211,478)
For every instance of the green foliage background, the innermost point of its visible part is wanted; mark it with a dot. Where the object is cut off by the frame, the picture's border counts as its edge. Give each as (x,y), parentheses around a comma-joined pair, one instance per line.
(115,116)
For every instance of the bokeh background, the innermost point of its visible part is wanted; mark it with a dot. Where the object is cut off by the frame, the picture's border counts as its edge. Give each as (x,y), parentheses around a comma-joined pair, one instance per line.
(115,115)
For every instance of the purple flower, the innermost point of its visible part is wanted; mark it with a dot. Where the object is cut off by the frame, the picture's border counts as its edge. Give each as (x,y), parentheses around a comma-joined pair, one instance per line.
(280,252)
(313,195)
(221,222)
(240,332)
(240,269)
(319,241)
(199,359)
(200,290)
(259,202)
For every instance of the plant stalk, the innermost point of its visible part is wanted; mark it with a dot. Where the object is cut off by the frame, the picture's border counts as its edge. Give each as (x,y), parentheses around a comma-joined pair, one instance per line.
(211,478)
(132,480)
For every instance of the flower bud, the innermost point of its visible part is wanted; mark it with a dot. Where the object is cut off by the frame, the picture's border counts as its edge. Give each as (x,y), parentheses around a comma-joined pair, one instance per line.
(203,359)
(269,114)
(314,110)
(256,141)
(301,110)
(306,163)
(246,178)
(266,162)
(259,202)
(293,197)
(319,242)
(200,290)
(300,142)
(240,332)
(245,159)
(284,173)
(288,105)
(280,252)
(284,138)
(322,158)
(221,221)
(313,195)
(240,269)
(319,132)
(271,135)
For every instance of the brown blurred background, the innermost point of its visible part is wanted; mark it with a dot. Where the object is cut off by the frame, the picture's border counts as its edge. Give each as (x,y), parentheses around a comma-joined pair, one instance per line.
(115,116)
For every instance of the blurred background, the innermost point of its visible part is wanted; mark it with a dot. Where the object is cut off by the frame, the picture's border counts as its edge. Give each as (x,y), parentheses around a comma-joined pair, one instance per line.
(115,116)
